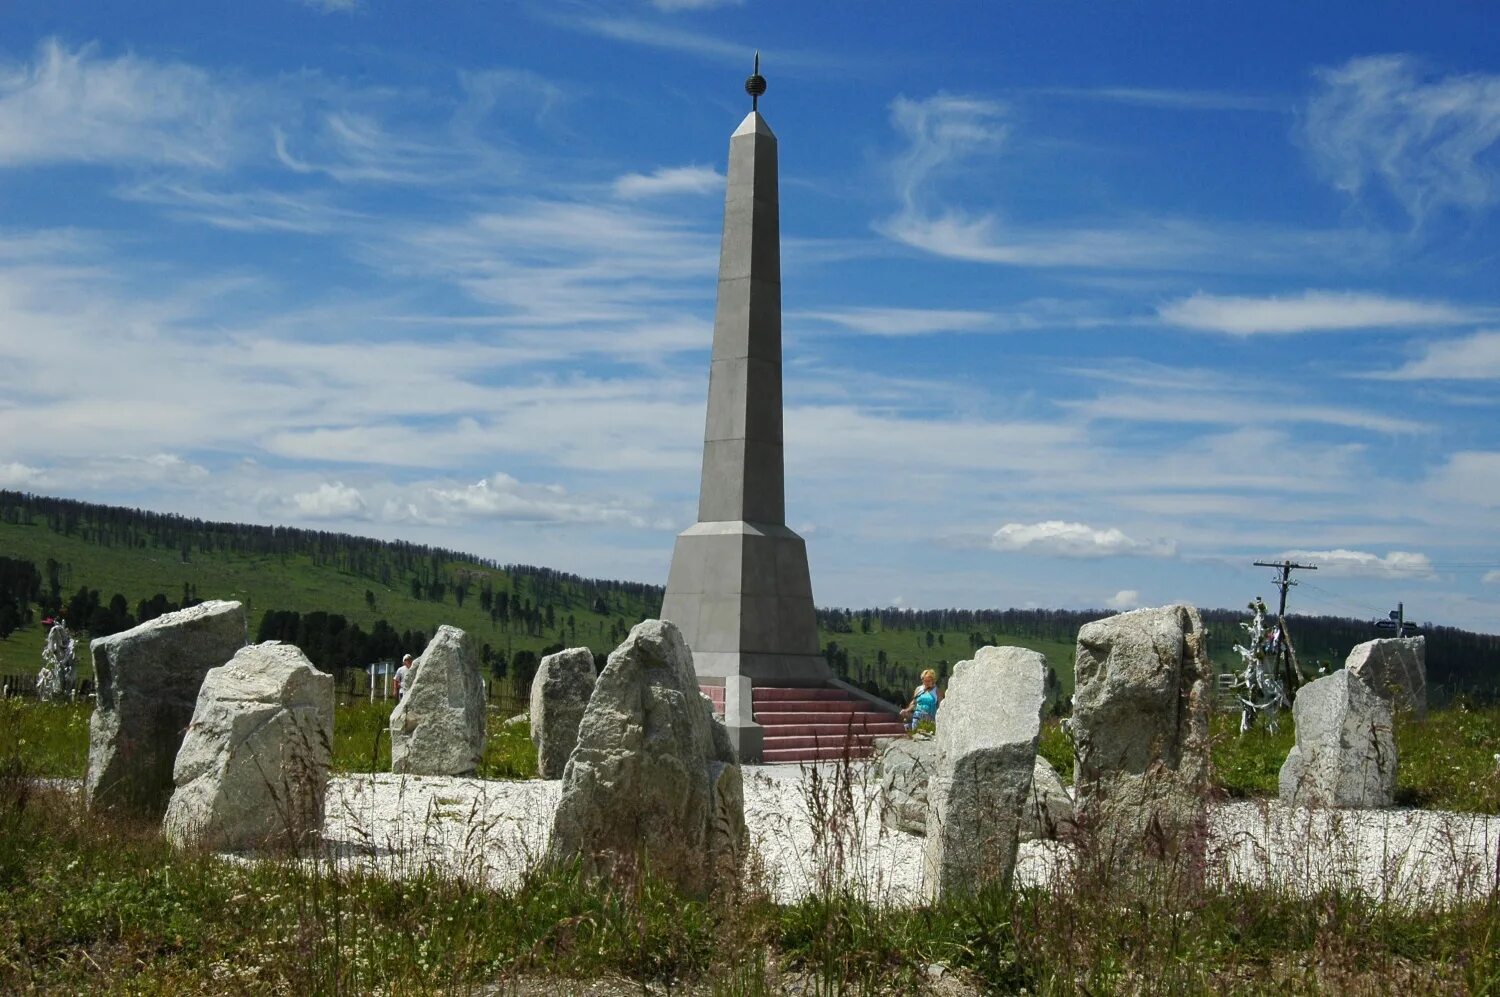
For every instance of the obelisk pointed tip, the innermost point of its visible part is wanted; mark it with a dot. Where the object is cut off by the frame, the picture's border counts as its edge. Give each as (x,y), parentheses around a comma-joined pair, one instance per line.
(753,124)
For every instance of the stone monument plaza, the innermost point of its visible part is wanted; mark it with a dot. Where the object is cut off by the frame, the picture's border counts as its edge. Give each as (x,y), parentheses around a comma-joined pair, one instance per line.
(739,588)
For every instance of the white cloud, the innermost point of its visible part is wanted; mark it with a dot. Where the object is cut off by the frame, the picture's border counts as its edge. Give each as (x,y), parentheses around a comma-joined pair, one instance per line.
(551,263)
(675,5)
(1471,477)
(92,473)
(669,180)
(1311,311)
(502,497)
(14,474)
(951,138)
(332,6)
(73,105)
(1491,578)
(1061,539)
(1362,564)
(1428,142)
(329,501)
(1166,99)
(243,210)
(1123,600)
(1230,406)
(903,321)
(1472,358)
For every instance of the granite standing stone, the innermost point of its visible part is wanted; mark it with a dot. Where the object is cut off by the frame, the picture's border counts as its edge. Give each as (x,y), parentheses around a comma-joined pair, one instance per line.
(739,588)
(148,679)
(438,728)
(1396,668)
(560,692)
(653,783)
(1345,755)
(904,767)
(1140,729)
(1049,809)
(253,768)
(987,733)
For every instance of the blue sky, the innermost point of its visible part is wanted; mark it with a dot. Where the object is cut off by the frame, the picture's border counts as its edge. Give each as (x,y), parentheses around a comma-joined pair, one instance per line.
(1086,305)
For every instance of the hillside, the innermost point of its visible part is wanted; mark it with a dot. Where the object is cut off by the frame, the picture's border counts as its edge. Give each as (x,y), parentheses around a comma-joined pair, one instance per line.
(357,599)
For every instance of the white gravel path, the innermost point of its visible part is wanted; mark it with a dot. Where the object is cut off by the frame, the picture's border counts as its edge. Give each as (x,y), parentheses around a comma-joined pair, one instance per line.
(494,831)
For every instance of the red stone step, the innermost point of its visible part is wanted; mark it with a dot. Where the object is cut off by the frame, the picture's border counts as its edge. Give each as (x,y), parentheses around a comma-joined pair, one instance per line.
(812,706)
(855,717)
(761,694)
(830,730)
(783,756)
(819,739)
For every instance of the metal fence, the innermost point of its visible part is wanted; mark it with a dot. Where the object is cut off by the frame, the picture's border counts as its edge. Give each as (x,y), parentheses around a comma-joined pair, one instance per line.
(23,686)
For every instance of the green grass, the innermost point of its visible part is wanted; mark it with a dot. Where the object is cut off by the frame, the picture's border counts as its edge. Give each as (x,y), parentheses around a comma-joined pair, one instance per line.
(53,739)
(1446,762)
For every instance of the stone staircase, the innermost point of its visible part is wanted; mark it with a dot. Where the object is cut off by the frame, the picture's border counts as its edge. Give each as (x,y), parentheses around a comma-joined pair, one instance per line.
(805,725)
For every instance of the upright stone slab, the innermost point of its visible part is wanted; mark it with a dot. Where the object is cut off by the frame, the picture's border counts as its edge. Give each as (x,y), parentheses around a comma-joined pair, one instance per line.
(1140,728)
(1345,755)
(438,727)
(739,588)
(1049,808)
(148,679)
(904,767)
(1396,668)
(253,768)
(651,783)
(987,734)
(559,694)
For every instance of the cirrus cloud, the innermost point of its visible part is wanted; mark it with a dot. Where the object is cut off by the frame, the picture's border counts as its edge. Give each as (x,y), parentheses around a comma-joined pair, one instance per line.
(1472,358)
(1310,311)
(1428,142)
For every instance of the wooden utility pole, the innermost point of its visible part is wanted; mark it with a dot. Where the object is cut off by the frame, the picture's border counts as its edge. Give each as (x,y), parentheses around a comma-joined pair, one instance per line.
(1287,668)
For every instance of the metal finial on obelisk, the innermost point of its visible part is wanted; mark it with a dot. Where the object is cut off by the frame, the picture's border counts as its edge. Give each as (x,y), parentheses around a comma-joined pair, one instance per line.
(755,85)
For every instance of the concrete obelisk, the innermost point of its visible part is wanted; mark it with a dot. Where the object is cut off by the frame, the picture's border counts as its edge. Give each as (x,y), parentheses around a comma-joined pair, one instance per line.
(739,587)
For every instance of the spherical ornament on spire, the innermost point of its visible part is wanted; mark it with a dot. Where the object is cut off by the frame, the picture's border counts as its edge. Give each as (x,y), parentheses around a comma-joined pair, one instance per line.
(755,85)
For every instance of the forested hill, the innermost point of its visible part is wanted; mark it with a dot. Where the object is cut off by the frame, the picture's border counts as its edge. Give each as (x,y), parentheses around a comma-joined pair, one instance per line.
(1461,660)
(345,600)
(386,561)
(349,600)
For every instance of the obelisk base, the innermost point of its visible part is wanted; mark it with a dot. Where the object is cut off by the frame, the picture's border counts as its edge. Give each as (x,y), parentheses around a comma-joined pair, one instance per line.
(741,595)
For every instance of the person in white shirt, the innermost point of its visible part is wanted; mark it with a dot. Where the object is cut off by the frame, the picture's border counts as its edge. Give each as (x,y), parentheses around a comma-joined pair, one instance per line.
(403,675)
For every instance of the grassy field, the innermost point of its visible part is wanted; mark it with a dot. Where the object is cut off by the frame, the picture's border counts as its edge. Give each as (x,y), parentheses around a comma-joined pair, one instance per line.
(53,740)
